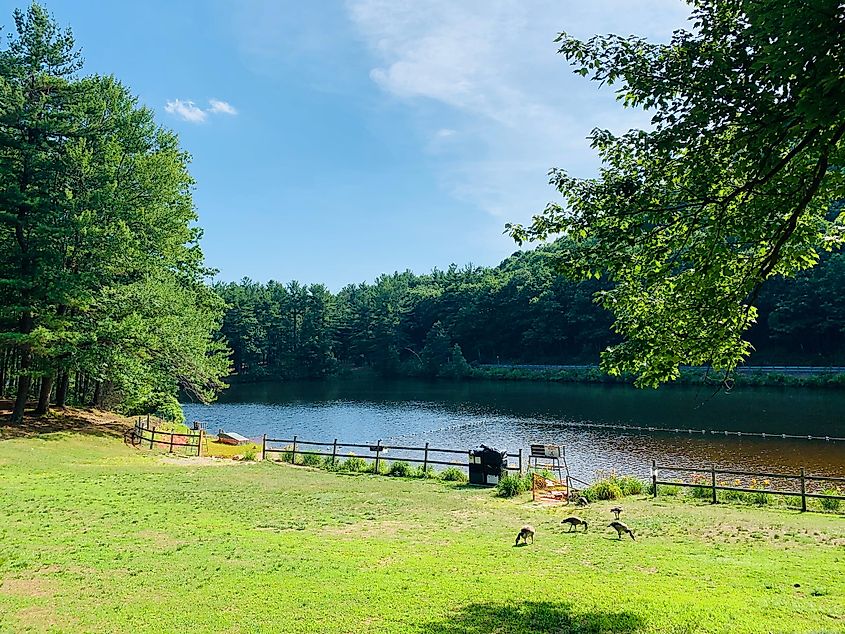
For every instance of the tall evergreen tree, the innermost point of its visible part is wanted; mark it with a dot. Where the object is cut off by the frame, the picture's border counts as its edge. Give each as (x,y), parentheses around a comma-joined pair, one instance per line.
(103,276)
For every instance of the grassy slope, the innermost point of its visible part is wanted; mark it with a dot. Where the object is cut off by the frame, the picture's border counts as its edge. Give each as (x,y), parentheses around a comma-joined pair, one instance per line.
(97,537)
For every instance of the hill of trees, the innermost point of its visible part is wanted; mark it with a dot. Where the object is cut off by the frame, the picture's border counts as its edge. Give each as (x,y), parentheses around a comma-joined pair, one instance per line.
(521,311)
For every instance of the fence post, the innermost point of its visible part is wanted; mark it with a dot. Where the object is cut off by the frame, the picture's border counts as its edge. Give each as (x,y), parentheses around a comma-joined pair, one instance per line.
(425,459)
(520,461)
(713,482)
(803,492)
(170,450)
(378,454)
(148,421)
(293,453)
(654,478)
(334,451)
(199,443)
(263,445)
(152,436)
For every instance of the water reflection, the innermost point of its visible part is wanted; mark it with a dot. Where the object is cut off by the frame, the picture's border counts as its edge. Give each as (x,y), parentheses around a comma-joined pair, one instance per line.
(512,415)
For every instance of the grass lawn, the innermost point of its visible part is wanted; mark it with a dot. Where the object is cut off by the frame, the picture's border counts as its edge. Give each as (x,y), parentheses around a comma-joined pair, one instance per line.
(99,537)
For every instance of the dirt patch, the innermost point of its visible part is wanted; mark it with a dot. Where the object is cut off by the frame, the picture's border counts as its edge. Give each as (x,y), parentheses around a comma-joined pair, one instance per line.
(379,529)
(200,461)
(92,422)
(31,587)
(41,617)
(158,539)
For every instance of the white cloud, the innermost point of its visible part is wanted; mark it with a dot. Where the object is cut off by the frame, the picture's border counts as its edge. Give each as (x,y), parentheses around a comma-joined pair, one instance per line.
(188,111)
(492,64)
(221,107)
(185,110)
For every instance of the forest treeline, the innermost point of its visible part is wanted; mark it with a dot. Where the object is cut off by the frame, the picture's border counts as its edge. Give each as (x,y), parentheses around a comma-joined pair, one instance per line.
(522,311)
(103,294)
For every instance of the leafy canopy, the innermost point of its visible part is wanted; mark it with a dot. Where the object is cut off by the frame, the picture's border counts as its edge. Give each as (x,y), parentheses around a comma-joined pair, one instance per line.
(732,184)
(101,274)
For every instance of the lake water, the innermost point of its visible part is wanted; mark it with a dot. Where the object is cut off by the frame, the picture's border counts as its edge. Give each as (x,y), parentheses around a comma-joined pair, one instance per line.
(512,415)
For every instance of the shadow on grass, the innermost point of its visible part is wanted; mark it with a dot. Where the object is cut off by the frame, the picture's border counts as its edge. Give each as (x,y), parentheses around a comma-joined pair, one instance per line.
(534,617)
(71,420)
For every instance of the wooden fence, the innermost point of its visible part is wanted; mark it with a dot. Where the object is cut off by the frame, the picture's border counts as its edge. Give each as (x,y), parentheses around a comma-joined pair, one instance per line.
(430,455)
(145,433)
(708,480)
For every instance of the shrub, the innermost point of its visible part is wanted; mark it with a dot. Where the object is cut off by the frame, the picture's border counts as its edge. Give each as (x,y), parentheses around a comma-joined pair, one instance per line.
(603,490)
(312,460)
(829,504)
(382,468)
(668,489)
(250,452)
(701,493)
(354,464)
(735,496)
(631,485)
(424,472)
(400,469)
(287,454)
(760,498)
(793,501)
(610,486)
(329,464)
(453,474)
(513,484)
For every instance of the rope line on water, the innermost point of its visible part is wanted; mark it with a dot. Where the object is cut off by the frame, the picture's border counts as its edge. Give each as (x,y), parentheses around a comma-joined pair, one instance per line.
(702,432)
(641,428)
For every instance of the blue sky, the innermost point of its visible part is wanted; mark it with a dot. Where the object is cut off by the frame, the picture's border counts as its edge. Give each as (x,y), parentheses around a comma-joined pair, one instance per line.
(353,138)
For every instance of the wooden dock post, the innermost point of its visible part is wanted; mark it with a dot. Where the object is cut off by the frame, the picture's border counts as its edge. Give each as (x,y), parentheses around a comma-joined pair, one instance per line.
(378,455)
(713,482)
(654,478)
(803,492)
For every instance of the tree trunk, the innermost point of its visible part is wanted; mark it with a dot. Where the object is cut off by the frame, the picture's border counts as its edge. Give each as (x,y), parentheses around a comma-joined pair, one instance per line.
(24,383)
(24,380)
(3,365)
(61,389)
(44,395)
(98,391)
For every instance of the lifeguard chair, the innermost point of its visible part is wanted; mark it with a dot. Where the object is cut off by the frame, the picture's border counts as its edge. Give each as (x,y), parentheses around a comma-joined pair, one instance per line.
(550,458)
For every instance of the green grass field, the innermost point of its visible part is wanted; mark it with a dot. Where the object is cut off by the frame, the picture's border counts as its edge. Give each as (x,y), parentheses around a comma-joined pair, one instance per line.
(99,537)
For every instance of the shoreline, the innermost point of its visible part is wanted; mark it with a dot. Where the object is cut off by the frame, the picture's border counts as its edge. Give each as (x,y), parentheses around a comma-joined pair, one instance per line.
(778,376)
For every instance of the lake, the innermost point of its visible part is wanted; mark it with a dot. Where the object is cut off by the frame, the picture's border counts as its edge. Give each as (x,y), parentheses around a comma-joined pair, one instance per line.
(512,415)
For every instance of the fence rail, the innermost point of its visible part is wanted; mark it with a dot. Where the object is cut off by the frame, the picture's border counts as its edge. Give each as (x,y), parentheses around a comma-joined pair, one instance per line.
(294,445)
(144,432)
(714,486)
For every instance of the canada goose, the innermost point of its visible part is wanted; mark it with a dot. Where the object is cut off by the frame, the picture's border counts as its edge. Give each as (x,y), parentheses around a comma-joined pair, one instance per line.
(574,522)
(616,510)
(622,528)
(524,533)
(581,501)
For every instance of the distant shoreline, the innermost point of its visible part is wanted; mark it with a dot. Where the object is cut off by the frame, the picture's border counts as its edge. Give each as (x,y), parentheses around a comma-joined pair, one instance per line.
(747,376)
